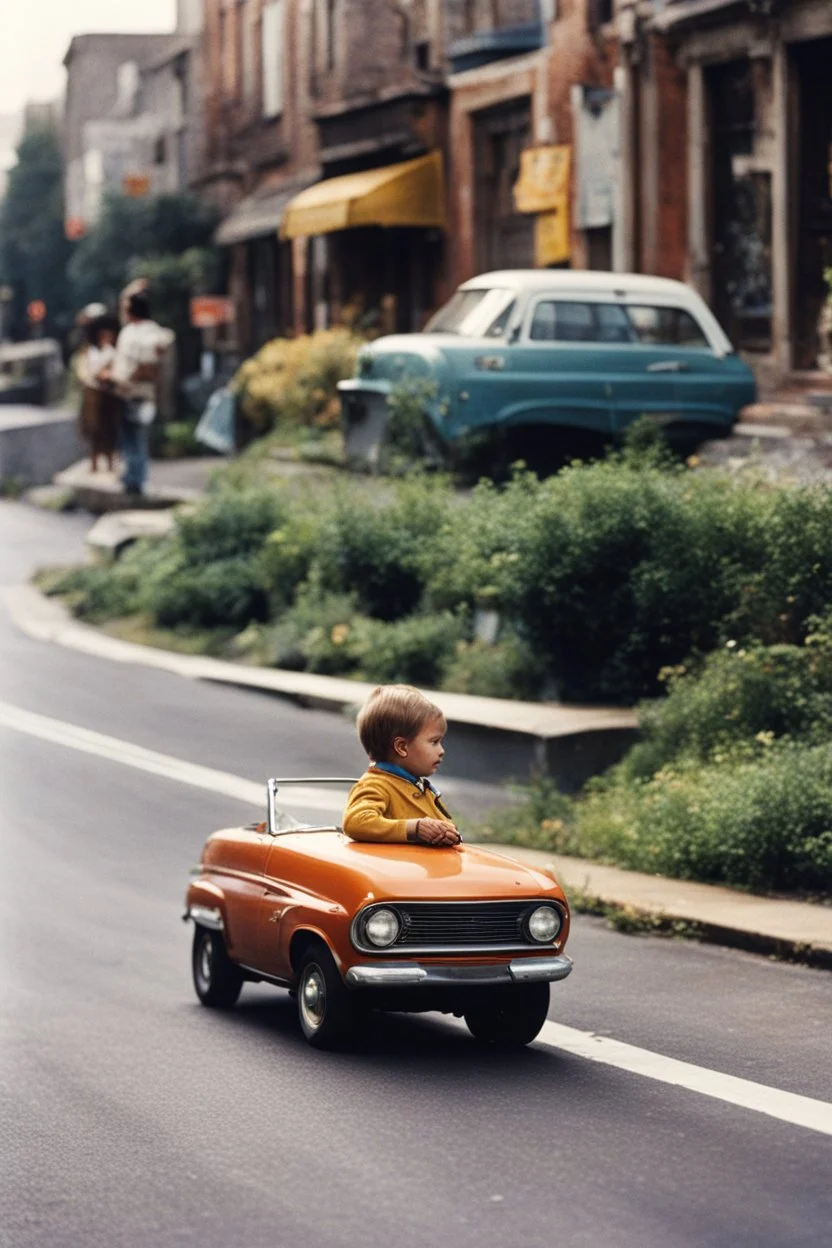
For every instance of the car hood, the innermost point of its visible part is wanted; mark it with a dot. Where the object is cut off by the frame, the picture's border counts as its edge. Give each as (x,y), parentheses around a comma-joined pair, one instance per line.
(352,871)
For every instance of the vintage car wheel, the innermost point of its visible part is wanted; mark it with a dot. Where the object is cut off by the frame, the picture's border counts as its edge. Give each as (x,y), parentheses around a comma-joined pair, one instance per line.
(510,1017)
(326,1010)
(216,978)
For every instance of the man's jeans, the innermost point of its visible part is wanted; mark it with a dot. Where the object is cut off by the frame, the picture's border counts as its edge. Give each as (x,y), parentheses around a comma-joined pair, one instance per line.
(134,448)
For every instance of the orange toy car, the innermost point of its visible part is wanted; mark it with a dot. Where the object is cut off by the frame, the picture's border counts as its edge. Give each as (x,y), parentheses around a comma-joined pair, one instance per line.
(350,927)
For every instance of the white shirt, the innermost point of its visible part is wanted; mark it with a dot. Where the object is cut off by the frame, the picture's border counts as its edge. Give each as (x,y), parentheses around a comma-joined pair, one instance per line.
(140,342)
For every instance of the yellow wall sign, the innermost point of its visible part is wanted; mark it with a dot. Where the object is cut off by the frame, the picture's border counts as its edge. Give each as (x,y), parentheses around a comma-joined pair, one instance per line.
(551,238)
(543,184)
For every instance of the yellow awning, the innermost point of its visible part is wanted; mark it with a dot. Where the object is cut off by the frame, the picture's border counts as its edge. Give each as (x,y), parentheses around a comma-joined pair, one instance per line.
(412,193)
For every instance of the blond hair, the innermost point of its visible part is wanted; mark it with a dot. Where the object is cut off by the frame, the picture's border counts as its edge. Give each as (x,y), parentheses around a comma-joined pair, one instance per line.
(393,711)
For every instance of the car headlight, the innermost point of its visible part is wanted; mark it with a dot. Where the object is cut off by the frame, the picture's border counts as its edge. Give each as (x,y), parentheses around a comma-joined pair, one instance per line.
(382,928)
(543,924)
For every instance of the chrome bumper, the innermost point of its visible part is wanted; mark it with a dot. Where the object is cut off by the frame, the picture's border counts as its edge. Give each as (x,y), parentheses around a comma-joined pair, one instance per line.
(412,975)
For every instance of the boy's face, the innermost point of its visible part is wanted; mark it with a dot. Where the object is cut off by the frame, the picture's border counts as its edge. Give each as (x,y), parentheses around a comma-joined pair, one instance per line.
(423,753)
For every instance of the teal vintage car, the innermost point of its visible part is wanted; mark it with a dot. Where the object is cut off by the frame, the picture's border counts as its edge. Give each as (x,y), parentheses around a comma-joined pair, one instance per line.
(532,356)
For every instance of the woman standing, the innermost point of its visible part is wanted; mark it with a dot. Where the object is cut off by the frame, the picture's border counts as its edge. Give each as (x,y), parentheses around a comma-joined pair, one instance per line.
(101,407)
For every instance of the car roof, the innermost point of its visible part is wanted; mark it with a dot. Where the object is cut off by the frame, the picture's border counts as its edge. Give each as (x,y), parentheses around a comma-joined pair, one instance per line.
(618,285)
(578,279)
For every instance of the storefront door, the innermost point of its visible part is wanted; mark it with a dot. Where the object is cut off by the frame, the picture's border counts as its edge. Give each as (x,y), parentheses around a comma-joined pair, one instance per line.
(504,237)
(813,66)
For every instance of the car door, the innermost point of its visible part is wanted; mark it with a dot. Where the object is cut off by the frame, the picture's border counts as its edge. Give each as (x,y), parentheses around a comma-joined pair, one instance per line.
(243,881)
(558,367)
(669,371)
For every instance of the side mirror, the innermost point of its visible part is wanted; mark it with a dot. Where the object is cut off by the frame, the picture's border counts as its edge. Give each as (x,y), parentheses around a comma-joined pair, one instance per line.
(513,334)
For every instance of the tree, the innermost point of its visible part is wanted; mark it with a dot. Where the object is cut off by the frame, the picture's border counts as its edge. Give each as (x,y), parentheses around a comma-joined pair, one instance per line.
(131,232)
(34,251)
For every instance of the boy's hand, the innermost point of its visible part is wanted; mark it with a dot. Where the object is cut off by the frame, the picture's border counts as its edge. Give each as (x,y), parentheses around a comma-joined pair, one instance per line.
(436,832)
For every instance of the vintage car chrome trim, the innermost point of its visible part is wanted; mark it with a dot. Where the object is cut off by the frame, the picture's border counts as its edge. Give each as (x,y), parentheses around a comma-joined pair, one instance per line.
(274,784)
(465,949)
(205,916)
(532,970)
(412,975)
(385,976)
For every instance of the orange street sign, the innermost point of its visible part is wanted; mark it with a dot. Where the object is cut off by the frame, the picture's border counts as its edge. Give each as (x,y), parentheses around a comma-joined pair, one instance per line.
(209,311)
(136,184)
(543,184)
(36,311)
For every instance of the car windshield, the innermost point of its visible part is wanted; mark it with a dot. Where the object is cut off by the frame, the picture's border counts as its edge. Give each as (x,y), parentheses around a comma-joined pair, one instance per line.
(471,313)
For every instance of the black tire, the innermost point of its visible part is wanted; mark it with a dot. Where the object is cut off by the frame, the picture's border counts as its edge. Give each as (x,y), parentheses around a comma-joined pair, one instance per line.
(217,979)
(509,1018)
(327,1009)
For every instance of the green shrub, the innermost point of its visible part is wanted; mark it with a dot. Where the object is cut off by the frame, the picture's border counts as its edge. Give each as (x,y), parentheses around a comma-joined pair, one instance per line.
(412,651)
(541,818)
(225,593)
(381,547)
(292,381)
(106,591)
(507,669)
(764,824)
(228,524)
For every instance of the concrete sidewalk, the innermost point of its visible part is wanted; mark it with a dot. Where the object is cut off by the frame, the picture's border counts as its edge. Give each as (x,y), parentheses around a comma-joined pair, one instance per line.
(170,482)
(791,929)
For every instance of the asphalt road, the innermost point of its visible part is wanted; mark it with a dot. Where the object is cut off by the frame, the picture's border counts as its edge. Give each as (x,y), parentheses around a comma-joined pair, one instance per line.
(131,1117)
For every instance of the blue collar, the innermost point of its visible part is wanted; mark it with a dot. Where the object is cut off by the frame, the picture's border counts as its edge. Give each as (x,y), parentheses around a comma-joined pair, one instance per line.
(393,769)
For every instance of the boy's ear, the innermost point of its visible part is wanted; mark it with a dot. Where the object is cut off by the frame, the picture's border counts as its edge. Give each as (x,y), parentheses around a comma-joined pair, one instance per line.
(400,746)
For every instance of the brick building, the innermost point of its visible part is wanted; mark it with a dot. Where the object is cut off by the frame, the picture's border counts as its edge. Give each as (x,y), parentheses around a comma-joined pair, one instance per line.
(132,116)
(751,151)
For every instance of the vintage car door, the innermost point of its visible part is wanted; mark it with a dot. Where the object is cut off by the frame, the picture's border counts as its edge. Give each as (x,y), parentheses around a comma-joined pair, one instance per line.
(558,367)
(670,372)
(238,867)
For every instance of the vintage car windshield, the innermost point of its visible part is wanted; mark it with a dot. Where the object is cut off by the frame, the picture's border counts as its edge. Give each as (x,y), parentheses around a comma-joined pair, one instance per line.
(479,313)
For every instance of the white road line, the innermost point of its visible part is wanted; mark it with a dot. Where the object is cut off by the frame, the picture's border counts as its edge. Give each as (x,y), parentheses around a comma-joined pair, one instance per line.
(223,782)
(800,1111)
(788,1107)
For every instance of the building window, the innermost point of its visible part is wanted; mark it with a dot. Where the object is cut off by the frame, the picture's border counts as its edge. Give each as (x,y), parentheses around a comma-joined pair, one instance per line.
(248,51)
(274,16)
(421,55)
(160,153)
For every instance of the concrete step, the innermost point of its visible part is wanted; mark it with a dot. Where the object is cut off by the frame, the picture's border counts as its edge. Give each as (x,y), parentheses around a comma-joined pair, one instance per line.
(101,492)
(793,416)
(115,530)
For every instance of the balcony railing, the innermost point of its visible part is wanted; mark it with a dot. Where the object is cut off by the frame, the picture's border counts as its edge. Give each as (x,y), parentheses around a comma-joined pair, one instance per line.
(485,46)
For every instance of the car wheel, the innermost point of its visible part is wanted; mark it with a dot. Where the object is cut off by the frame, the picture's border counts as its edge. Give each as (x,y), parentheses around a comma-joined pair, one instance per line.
(326,1008)
(511,1017)
(217,979)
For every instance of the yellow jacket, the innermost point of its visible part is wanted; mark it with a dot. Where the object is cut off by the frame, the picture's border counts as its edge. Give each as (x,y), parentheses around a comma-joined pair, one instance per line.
(380,805)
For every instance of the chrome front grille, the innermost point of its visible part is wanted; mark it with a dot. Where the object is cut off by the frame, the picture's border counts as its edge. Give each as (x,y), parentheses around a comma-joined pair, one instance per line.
(456,927)
(478,923)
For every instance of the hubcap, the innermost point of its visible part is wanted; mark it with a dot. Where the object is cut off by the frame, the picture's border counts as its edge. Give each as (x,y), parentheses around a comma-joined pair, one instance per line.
(313,998)
(206,959)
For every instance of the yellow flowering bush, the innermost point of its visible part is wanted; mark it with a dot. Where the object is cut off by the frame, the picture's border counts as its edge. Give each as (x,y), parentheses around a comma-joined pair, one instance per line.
(292,381)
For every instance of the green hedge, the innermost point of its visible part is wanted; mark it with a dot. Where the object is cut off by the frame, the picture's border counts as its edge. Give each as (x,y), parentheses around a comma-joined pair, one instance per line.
(603,576)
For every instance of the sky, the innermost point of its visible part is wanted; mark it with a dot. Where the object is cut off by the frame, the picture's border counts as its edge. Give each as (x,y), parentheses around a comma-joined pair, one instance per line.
(35,34)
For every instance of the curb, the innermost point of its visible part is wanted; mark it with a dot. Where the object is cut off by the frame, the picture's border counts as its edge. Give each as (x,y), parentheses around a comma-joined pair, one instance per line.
(791,931)
(494,739)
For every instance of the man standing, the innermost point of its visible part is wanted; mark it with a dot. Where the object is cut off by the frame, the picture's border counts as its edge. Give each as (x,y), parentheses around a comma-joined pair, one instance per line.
(135,372)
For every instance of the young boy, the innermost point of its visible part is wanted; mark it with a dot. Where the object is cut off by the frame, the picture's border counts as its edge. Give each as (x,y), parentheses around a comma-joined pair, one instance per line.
(394,801)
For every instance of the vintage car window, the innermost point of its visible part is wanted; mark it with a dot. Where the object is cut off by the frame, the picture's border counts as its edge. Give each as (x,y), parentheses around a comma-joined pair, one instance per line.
(613,323)
(498,326)
(562,322)
(666,327)
(470,312)
(455,312)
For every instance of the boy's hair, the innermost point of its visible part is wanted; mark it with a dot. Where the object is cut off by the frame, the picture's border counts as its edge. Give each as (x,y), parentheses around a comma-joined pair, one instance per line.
(393,711)
(138,305)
